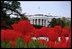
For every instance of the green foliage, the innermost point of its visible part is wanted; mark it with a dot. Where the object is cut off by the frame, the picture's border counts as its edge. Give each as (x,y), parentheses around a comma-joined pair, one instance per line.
(68,24)
(5,45)
(53,22)
(21,44)
(60,22)
(35,44)
(38,26)
(57,22)
(11,7)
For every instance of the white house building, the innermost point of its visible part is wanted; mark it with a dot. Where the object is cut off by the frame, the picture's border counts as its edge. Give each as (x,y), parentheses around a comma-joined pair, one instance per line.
(40,19)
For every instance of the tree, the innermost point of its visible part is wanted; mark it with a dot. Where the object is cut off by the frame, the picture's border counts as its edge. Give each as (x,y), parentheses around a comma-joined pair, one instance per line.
(9,8)
(53,22)
(60,22)
(57,21)
(67,23)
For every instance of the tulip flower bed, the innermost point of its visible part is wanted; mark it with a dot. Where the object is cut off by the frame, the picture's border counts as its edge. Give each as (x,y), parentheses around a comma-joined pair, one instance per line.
(22,33)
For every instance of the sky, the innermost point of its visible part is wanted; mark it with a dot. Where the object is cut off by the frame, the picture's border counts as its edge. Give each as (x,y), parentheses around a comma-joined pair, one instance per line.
(54,8)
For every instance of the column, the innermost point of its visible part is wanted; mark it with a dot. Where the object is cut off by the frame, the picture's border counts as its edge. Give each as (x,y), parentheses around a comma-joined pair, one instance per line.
(43,22)
(40,21)
(46,23)
(34,21)
(31,21)
(37,21)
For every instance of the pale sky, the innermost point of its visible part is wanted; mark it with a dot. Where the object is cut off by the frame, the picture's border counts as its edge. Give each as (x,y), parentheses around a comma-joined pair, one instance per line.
(55,8)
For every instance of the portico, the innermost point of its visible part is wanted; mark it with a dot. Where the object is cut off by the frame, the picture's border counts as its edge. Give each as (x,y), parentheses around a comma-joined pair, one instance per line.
(40,19)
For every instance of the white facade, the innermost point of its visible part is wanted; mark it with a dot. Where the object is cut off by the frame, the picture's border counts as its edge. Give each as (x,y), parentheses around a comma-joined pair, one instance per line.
(40,19)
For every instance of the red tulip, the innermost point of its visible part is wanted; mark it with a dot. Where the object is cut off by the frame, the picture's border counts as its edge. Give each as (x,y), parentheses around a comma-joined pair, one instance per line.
(69,42)
(50,44)
(44,31)
(66,32)
(9,35)
(37,33)
(63,43)
(63,39)
(23,26)
(52,34)
(58,30)
(60,45)
(13,44)
(27,38)
(41,41)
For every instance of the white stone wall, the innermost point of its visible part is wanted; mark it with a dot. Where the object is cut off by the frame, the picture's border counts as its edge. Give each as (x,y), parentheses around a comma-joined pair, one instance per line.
(46,20)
